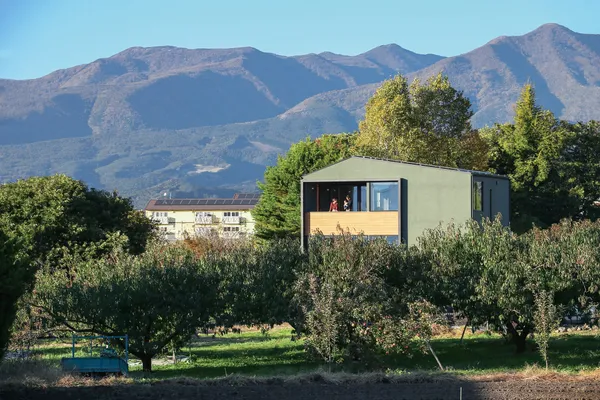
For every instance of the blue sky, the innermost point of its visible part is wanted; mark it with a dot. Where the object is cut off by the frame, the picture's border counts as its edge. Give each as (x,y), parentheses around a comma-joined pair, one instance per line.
(40,36)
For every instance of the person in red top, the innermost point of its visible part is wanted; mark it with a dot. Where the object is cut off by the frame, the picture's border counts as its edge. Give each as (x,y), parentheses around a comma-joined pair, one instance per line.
(334,205)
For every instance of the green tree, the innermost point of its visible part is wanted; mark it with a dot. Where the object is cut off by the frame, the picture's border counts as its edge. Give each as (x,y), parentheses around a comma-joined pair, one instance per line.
(16,277)
(362,299)
(256,281)
(491,274)
(425,123)
(56,220)
(57,215)
(580,170)
(277,214)
(158,298)
(546,319)
(532,151)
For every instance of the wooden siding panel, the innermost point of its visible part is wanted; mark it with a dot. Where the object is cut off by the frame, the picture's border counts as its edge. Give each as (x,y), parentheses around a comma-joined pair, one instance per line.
(369,223)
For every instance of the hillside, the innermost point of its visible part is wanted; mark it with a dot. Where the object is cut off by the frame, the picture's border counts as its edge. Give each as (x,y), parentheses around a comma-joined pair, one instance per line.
(207,122)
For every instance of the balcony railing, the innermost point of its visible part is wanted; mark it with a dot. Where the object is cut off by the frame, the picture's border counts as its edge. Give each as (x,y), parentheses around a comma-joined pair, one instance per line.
(204,231)
(231,220)
(204,219)
(369,223)
(161,220)
(232,234)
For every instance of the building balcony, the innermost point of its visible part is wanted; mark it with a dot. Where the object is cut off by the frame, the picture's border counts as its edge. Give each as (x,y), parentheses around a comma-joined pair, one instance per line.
(231,220)
(232,234)
(382,223)
(204,231)
(205,220)
(161,220)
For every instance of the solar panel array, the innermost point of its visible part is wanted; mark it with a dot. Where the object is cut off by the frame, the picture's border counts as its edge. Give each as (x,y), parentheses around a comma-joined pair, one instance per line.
(247,196)
(207,202)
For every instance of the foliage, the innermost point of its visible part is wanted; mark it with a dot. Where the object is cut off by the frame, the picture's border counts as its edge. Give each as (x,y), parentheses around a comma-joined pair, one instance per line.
(553,165)
(546,319)
(277,214)
(255,286)
(16,277)
(493,275)
(157,298)
(426,123)
(454,264)
(359,299)
(56,216)
(56,220)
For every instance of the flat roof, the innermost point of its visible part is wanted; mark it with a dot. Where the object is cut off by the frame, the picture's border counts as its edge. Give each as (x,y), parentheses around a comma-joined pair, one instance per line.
(240,201)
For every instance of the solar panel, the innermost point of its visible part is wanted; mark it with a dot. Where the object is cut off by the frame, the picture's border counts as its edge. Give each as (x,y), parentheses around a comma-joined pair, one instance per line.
(246,196)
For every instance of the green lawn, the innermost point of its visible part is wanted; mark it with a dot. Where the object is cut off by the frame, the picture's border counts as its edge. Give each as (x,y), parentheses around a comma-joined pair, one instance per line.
(251,353)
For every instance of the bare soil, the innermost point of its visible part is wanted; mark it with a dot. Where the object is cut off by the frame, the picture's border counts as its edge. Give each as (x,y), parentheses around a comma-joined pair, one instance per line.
(518,389)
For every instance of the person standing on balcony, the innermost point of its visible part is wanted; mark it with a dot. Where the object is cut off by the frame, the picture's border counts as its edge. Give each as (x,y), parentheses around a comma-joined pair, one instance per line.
(348,203)
(334,205)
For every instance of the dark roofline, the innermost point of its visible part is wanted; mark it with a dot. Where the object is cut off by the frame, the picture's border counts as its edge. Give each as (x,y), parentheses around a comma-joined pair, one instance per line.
(470,171)
(152,206)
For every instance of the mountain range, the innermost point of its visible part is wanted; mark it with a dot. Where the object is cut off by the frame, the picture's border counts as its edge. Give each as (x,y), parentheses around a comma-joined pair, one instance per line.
(206,122)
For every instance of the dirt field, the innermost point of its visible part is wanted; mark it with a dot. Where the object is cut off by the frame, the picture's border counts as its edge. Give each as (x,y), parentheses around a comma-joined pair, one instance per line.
(523,390)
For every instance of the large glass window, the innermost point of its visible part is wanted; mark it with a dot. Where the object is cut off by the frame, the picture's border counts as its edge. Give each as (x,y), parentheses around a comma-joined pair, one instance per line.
(478,196)
(384,196)
(349,196)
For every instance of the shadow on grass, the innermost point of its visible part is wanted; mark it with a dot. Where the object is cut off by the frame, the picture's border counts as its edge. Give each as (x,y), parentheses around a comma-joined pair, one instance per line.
(208,341)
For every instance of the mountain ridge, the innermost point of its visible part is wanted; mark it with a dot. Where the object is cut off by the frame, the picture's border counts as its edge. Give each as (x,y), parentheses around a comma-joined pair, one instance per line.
(149,119)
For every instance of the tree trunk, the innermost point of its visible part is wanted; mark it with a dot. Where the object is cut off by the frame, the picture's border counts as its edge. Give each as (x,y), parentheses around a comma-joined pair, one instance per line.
(146,364)
(519,339)
(463,332)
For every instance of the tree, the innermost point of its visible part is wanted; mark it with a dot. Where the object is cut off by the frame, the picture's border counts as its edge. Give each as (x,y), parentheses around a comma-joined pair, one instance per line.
(256,282)
(580,170)
(426,123)
(362,299)
(55,220)
(546,319)
(494,275)
(16,277)
(531,152)
(158,298)
(57,215)
(277,214)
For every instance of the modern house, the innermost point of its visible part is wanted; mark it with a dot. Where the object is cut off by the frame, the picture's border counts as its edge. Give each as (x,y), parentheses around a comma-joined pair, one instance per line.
(181,218)
(398,200)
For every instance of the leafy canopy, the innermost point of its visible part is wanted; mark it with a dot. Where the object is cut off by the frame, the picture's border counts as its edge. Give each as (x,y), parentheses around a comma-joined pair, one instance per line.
(57,215)
(553,165)
(426,123)
(157,298)
(16,277)
(277,214)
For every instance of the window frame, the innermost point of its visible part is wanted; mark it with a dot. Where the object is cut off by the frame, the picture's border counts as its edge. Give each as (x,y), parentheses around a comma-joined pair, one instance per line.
(371,193)
(477,190)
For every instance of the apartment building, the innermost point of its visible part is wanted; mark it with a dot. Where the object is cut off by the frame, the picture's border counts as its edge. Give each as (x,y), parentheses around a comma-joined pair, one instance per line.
(181,218)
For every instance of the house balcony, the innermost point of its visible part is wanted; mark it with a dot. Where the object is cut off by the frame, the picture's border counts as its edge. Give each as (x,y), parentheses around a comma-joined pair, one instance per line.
(384,223)
(161,220)
(205,220)
(231,220)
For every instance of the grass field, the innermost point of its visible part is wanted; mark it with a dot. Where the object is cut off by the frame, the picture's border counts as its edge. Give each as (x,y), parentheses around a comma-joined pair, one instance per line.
(250,366)
(253,354)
